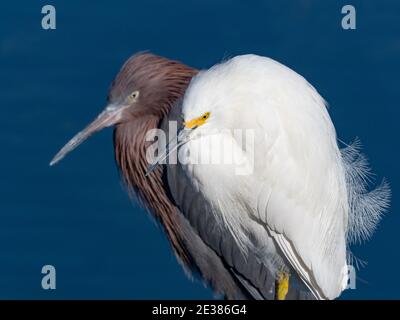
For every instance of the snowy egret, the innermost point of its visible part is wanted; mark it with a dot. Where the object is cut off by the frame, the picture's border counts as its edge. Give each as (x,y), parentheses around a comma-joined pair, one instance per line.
(140,98)
(305,200)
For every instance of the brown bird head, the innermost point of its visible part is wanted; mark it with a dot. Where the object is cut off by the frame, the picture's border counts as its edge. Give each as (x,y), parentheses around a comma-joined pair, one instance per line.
(143,92)
(146,85)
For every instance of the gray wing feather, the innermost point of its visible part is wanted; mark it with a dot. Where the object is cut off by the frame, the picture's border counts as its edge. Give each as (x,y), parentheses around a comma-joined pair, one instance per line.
(214,251)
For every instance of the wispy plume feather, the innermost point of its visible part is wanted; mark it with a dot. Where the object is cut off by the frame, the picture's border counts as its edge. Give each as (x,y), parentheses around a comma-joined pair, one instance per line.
(366,207)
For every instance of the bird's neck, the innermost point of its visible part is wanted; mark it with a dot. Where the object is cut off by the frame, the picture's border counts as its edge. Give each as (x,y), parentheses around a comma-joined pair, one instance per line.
(130,148)
(130,154)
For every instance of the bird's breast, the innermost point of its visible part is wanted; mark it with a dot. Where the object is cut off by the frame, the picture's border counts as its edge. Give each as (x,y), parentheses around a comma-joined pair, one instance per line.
(217,178)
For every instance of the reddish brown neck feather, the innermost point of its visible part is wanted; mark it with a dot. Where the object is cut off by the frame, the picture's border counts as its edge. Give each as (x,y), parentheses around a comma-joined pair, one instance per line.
(130,151)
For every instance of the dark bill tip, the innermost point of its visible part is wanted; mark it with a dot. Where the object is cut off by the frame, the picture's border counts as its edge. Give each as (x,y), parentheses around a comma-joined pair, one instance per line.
(105,119)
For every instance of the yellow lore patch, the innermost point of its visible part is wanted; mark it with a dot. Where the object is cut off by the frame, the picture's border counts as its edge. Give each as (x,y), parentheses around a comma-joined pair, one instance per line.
(197,122)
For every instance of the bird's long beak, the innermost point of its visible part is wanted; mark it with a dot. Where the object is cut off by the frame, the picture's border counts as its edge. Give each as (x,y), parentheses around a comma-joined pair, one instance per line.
(110,116)
(183,137)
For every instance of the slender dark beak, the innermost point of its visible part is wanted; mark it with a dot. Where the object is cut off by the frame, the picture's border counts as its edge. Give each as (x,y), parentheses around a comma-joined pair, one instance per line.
(110,116)
(182,138)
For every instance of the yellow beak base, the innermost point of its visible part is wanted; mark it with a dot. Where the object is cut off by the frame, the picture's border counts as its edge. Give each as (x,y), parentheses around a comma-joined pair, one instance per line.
(197,122)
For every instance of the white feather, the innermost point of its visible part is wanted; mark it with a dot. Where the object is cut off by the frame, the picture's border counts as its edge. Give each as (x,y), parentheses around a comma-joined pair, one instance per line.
(304,198)
(366,206)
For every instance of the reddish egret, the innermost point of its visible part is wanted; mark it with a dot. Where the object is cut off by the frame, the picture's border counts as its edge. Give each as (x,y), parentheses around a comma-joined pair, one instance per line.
(140,98)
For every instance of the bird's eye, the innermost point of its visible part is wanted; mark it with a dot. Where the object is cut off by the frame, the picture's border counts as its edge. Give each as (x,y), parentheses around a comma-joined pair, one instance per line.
(206,115)
(133,96)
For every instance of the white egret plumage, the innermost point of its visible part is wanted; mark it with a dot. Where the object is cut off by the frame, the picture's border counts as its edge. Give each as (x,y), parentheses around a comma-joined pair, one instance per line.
(304,199)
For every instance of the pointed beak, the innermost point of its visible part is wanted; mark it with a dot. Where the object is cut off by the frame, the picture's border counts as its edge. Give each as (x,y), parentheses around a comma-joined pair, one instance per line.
(183,137)
(110,116)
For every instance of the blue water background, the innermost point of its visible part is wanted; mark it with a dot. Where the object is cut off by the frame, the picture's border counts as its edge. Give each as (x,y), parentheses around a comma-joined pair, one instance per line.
(76,215)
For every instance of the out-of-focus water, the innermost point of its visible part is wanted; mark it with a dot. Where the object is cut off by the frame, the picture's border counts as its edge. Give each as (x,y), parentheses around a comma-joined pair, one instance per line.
(76,215)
